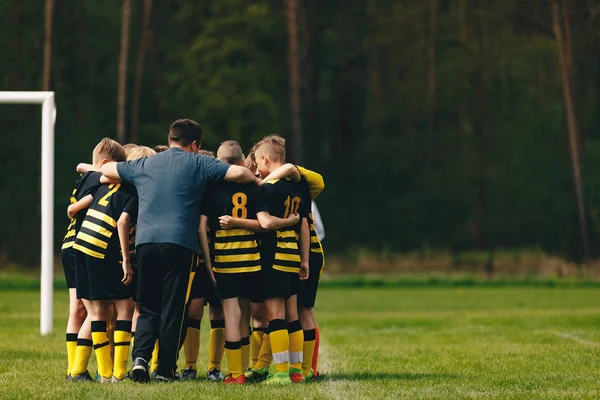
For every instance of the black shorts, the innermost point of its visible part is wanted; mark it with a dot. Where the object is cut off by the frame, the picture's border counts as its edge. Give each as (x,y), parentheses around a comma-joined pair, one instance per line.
(307,291)
(236,285)
(277,284)
(68,262)
(103,279)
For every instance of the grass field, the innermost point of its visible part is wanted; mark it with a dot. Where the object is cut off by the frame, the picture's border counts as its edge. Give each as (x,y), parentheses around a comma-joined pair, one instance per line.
(439,343)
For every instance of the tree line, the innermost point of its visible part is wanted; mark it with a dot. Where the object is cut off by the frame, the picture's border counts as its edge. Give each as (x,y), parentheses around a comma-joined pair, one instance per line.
(456,125)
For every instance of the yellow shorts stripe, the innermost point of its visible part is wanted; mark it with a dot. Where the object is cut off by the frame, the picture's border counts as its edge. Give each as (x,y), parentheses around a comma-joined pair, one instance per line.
(282,268)
(249,244)
(288,245)
(238,258)
(88,251)
(287,257)
(236,270)
(96,228)
(287,234)
(232,232)
(67,245)
(102,217)
(90,239)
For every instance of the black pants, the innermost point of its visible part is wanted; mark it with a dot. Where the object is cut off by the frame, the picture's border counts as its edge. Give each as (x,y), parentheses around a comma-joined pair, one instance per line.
(163,285)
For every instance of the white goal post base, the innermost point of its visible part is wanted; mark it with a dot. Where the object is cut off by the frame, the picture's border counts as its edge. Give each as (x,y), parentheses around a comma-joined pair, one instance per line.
(46,99)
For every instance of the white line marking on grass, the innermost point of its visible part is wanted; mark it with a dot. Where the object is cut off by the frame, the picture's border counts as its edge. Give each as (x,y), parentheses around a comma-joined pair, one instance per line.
(577,339)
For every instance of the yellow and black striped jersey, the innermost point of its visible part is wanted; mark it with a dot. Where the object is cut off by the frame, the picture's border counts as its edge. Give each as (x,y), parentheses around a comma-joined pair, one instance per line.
(98,235)
(87,183)
(284,197)
(315,243)
(234,250)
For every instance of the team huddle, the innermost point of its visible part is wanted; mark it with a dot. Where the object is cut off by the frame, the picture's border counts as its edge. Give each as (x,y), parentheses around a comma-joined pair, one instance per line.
(157,234)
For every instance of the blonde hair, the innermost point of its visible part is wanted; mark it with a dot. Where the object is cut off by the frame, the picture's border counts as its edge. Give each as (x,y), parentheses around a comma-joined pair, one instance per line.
(272,146)
(110,149)
(230,152)
(209,153)
(128,147)
(250,161)
(139,152)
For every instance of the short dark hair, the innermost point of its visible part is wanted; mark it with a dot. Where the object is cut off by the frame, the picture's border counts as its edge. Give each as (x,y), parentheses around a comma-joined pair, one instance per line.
(230,152)
(185,132)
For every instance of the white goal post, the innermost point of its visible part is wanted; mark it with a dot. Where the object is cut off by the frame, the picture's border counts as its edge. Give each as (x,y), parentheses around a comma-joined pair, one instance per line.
(46,99)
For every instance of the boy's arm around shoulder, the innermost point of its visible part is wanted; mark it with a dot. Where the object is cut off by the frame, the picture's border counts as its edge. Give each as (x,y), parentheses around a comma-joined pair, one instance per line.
(82,204)
(285,171)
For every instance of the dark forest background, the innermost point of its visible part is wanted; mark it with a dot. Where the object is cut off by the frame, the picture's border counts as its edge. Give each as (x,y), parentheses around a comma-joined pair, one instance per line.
(437,124)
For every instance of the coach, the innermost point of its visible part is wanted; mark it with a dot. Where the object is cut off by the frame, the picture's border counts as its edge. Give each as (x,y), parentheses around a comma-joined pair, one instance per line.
(170,187)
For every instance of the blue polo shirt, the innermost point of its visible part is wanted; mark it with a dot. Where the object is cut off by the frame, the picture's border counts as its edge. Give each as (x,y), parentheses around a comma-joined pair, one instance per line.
(170,188)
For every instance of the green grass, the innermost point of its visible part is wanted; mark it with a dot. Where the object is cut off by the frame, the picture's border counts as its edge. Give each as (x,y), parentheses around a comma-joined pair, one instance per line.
(416,343)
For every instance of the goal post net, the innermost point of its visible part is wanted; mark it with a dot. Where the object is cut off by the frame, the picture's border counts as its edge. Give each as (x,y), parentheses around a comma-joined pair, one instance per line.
(46,99)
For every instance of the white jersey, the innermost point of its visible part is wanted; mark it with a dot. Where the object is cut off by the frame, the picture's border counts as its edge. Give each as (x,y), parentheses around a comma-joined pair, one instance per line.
(319,228)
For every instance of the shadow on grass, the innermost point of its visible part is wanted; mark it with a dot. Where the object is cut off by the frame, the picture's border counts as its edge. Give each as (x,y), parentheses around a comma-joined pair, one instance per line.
(382,376)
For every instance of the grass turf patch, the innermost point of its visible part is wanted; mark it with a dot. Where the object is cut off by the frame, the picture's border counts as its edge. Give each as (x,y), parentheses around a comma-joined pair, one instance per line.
(450,343)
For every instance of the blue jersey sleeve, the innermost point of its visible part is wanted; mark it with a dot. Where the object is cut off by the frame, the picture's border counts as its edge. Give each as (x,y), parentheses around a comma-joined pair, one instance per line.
(128,170)
(214,170)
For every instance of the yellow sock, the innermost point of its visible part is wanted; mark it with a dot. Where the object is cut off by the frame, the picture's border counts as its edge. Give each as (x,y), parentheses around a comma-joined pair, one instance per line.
(122,341)
(191,345)
(296,345)
(83,352)
(280,344)
(265,357)
(154,361)
(71,348)
(216,345)
(102,349)
(309,349)
(256,339)
(234,358)
(245,352)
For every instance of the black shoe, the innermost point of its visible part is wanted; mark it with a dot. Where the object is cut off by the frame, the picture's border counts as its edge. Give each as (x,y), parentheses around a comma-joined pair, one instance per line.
(176,375)
(139,372)
(214,375)
(85,377)
(67,377)
(188,374)
(256,376)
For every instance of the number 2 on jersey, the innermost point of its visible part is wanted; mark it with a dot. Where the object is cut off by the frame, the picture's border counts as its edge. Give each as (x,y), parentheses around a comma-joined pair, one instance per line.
(239,201)
(291,206)
(114,187)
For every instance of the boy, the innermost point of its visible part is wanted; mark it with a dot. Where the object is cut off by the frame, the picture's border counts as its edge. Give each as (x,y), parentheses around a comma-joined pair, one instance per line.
(236,252)
(86,185)
(312,184)
(107,150)
(103,246)
(285,257)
